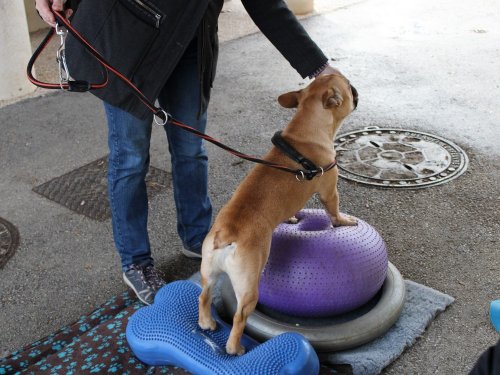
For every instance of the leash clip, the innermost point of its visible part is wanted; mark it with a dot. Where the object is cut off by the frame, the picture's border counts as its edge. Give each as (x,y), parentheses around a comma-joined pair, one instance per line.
(61,56)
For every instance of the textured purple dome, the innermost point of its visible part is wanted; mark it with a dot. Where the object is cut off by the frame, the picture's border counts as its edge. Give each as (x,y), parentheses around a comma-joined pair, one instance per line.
(317,270)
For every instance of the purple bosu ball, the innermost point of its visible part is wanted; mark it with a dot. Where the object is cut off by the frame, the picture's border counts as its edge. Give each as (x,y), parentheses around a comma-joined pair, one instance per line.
(317,270)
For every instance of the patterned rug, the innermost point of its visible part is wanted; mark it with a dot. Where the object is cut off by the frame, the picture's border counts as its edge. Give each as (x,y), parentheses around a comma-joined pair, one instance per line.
(95,343)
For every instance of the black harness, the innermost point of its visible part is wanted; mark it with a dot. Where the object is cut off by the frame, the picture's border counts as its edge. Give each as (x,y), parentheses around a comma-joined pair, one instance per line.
(310,169)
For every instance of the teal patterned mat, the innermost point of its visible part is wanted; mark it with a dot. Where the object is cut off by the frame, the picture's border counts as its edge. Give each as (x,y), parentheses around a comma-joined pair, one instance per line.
(93,344)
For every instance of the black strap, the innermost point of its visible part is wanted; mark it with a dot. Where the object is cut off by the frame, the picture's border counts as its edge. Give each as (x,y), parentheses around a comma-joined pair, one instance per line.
(291,152)
(311,169)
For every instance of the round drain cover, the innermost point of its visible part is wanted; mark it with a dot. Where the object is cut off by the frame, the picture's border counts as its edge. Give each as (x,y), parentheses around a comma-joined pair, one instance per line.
(9,240)
(398,158)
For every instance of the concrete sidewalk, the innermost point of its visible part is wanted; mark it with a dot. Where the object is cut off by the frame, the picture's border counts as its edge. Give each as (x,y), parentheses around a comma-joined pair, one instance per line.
(417,65)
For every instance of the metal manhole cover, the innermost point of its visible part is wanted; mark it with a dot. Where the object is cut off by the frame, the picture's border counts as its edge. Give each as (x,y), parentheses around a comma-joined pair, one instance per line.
(9,241)
(398,158)
(84,190)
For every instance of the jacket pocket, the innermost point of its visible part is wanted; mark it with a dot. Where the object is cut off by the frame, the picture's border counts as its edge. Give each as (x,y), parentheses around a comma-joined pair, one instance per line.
(128,34)
(144,10)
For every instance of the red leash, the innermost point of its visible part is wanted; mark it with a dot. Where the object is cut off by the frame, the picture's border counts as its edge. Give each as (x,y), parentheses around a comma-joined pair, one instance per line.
(159,113)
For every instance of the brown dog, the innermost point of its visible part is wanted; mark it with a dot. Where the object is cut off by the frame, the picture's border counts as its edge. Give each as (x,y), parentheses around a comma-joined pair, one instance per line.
(240,238)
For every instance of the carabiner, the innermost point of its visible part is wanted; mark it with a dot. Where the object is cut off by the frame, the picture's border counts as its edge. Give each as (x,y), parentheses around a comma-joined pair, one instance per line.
(61,56)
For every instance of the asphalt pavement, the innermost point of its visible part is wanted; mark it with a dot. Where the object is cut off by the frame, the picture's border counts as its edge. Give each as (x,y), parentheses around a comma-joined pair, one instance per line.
(419,65)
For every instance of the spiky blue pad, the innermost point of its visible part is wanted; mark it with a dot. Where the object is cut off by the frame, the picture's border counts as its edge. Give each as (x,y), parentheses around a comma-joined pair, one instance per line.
(167,333)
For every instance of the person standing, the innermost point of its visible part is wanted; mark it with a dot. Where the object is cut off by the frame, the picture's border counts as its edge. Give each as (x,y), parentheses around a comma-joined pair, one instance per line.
(172,57)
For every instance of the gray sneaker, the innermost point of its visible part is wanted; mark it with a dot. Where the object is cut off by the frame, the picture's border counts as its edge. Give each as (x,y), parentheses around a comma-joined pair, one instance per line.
(194,254)
(135,278)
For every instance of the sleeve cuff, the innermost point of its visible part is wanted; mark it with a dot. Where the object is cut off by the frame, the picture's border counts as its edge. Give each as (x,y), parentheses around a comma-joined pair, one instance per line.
(318,71)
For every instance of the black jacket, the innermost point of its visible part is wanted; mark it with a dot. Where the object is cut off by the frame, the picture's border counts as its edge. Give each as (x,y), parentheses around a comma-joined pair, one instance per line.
(144,40)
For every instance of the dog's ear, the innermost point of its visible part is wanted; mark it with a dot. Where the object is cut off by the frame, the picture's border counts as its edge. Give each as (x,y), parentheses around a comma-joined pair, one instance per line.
(289,100)
(332,98)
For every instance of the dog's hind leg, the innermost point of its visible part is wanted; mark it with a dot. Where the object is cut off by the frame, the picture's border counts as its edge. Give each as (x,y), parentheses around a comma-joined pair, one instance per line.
(212,265)
(247,295)
(205,320)
(209,276)
(244,270)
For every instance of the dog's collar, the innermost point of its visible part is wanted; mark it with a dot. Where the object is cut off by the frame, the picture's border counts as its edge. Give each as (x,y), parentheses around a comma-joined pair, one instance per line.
(310,169)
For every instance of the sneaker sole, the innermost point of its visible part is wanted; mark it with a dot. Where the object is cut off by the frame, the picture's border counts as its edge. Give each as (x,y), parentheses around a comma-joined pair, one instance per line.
(135,290)
(190,254)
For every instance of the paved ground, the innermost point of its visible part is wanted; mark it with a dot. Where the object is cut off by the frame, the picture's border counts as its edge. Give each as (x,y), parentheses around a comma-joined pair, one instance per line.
(417,65)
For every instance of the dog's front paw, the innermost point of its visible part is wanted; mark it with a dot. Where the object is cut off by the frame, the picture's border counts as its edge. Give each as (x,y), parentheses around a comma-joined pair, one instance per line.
(207,324)
(344,220)
(237,349)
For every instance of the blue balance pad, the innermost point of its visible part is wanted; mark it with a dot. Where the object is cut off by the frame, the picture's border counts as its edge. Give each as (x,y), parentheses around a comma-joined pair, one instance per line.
(167,333)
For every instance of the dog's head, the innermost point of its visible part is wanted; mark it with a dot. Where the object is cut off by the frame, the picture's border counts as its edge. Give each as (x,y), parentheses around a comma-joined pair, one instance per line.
(331,93)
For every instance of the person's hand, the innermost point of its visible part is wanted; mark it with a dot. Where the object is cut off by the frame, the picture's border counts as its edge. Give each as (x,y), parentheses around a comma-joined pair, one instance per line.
(329,70)
(45,7)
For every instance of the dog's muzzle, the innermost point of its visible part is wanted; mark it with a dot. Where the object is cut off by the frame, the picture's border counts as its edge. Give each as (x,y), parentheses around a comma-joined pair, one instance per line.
(354,96)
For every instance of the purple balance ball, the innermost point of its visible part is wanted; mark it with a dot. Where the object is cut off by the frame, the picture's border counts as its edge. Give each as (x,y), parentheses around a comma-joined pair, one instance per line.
(317,270)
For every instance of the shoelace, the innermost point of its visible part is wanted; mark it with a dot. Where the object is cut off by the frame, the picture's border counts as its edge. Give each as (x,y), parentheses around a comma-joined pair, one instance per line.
(153,277)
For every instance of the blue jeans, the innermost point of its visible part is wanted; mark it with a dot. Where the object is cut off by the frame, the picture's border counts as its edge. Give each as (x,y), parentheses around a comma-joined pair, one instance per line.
(129,142)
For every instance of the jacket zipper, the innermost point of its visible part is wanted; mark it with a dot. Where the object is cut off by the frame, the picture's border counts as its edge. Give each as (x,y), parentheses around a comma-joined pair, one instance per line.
(150,10)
